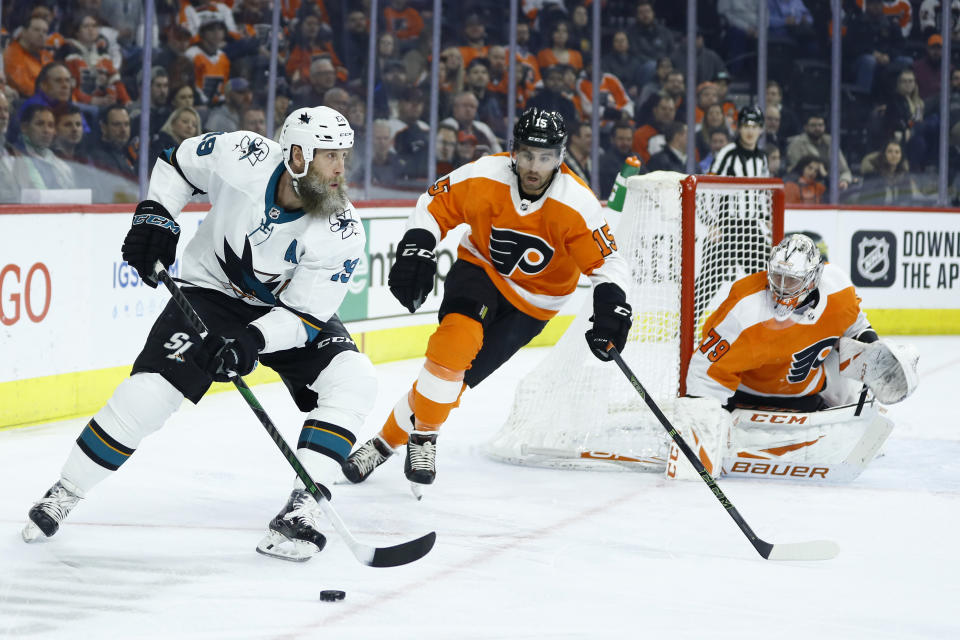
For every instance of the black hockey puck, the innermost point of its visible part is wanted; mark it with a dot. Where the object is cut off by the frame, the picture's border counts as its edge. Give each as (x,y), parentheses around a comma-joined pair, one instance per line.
(332,595)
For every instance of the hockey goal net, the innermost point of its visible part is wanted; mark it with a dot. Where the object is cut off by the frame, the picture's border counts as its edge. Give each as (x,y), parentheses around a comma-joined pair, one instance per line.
(687,238)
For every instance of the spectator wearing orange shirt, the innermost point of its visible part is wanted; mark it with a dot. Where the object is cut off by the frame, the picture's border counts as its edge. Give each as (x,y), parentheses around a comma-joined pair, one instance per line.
(808,188)
(615,104)
(311,38)
(524,54)
(476,35)
(499,76)
(707,95)
(404,23)
(26,55)
(96,80)
(558,51)
(452,70)
(648,139)
(211,66)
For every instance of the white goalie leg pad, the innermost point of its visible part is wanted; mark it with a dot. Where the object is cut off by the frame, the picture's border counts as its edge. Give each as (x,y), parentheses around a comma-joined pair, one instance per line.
(830,445)
(346,393)
(705,427)
(140,405)
(888,368)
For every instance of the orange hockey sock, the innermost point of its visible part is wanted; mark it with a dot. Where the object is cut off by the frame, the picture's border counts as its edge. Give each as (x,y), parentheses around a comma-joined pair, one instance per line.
(438,388)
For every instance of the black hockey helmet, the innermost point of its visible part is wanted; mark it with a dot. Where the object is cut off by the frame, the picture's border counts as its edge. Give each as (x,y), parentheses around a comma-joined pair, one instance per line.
(750,113)
(540,128)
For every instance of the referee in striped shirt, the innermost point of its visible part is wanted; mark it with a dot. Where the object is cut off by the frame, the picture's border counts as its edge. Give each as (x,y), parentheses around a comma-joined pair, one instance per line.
(736,233)
(742,158)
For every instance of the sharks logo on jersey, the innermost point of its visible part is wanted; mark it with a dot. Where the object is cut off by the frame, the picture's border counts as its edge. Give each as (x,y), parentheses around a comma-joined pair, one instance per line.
(244,280)
(252,149)
(343,222)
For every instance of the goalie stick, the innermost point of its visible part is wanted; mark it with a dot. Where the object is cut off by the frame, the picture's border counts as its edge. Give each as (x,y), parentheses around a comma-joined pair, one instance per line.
(394,556)
(812,550)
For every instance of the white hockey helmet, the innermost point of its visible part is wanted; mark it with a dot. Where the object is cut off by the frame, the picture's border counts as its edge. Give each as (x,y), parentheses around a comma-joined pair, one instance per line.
(793,271)
(313,128)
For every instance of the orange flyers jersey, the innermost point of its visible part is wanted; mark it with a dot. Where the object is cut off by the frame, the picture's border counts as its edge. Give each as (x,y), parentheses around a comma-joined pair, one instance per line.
(210,73)
(745,348)
(610,88)
(534,252)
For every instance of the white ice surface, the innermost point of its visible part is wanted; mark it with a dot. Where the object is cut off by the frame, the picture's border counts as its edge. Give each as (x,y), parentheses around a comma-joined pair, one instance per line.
(165,548)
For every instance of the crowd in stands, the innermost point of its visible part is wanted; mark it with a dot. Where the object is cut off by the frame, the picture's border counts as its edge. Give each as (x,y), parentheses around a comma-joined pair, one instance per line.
(70,106)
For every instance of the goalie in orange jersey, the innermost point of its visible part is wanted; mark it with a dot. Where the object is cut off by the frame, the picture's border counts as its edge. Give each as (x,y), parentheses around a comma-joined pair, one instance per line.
(535,227)
(772,341)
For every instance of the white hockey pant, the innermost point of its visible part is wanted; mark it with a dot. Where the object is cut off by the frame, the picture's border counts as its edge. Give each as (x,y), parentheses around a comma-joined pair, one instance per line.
(346,392)
(140,405)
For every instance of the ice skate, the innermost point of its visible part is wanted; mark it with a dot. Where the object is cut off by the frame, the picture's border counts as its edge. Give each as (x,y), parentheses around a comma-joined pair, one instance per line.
(47,513)
(420,465)
(294,534)
(365,459)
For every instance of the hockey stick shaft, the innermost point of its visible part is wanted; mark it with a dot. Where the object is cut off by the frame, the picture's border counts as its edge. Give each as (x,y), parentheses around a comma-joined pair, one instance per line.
(371,556)
(814,550)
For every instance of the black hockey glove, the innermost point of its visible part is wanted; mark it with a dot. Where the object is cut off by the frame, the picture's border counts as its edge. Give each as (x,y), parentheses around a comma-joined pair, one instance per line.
(237,353)
(411,276)
(153,236)
(611,318)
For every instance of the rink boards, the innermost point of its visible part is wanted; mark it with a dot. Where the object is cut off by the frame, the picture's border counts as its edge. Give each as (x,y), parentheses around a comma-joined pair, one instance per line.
(73,315)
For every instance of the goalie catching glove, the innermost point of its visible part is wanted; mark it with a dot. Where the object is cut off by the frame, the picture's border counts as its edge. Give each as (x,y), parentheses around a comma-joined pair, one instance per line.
(411,276)
(612,318)
(221,356)
(153,236)
(887,368)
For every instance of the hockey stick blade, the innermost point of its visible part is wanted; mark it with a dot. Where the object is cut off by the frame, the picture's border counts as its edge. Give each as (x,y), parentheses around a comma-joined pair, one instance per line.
(371,556)
(812,550)
(394,556)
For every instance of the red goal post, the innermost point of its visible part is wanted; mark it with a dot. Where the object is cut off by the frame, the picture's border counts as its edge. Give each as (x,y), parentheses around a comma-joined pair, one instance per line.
(689,337)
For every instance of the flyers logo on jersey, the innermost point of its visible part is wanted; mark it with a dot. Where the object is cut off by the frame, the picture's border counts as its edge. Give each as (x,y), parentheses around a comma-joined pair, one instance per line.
(808,359)
(511,250)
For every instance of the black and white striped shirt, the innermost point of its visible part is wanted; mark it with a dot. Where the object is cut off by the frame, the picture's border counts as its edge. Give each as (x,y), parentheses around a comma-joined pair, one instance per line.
(734,160)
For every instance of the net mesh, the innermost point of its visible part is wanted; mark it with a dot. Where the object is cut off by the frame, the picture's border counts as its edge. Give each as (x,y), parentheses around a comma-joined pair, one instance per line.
(572,408)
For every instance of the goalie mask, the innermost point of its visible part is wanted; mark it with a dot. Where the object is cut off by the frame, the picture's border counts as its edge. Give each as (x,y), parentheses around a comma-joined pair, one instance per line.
(793,272)
(542,129)
(312,128)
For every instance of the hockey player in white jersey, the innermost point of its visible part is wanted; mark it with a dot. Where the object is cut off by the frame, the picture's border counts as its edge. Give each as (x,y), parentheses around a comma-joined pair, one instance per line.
(266,272)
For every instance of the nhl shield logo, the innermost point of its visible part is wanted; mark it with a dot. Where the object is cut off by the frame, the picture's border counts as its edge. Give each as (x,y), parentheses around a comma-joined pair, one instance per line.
(873,258)
(274,213)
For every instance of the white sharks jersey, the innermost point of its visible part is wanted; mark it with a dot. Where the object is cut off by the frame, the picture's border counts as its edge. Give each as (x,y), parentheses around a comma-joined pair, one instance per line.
(251,248)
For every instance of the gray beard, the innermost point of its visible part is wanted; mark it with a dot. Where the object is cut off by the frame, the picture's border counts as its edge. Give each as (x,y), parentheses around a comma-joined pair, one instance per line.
(317,199)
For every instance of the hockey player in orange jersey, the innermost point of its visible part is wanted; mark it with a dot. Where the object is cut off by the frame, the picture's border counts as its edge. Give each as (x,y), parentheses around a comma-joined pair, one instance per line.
(768,343)
(535,227)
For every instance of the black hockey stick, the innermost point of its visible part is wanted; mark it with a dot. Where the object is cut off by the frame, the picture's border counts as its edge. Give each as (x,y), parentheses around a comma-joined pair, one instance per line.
(812,550)
(371,556)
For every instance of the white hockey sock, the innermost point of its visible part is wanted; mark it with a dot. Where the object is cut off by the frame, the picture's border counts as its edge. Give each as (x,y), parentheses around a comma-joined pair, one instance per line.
(140,405)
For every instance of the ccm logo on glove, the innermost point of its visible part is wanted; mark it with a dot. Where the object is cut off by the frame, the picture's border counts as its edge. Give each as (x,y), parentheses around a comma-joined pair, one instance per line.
(160,221)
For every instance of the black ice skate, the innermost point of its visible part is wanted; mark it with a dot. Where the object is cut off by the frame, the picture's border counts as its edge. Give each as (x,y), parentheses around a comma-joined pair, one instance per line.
(294,534)
(365,459)
(420,465)
(47,513)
